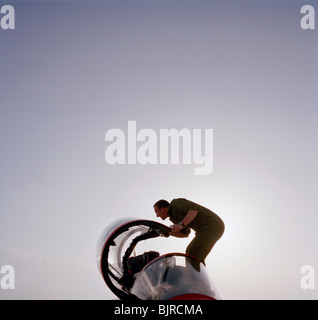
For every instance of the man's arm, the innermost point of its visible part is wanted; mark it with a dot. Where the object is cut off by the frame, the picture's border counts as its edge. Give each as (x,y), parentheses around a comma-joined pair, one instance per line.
(191,215)
(176,228)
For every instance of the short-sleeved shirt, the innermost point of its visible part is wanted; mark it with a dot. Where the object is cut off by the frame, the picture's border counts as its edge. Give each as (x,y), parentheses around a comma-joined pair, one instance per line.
(179,208)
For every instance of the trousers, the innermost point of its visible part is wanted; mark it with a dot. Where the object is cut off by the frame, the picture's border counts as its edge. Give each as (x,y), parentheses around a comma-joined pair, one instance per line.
(204,240)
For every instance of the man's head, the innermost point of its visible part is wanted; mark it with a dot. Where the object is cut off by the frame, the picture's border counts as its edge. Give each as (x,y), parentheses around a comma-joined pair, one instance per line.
(161,208)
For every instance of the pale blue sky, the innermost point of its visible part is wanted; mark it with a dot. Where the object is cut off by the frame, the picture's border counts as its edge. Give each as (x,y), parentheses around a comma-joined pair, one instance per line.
(73,70)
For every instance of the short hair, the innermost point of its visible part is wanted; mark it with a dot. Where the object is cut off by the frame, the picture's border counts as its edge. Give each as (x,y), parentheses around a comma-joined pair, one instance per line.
(162,204)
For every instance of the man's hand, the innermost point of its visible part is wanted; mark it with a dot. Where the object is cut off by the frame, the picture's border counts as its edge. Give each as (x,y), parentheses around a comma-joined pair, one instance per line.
(176,228)
(178,234)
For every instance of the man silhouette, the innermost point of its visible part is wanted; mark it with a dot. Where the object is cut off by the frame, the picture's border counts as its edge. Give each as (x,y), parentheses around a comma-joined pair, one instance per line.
(187,215)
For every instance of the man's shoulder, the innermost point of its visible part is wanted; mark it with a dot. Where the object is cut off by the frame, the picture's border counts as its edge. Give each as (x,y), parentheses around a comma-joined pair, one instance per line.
(181,204)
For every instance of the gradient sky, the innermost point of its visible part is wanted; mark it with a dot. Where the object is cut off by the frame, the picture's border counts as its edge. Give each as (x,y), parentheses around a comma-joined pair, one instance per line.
(71,70)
